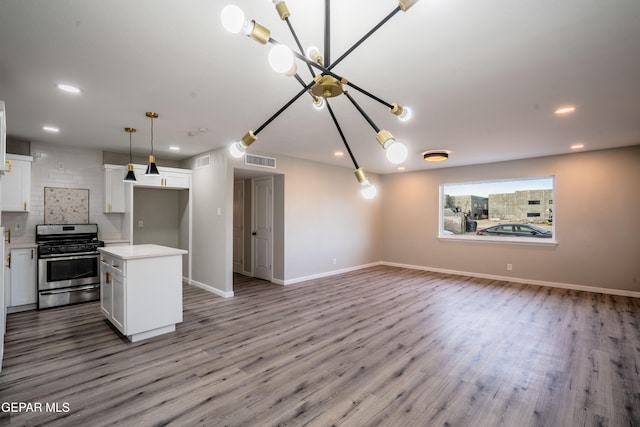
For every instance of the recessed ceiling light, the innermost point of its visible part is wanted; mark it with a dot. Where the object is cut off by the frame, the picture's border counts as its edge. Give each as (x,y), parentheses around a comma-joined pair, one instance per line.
(567,109)
(174,148)
(52,129)
(338,153)
(577,146)
(401,168)
(69,88)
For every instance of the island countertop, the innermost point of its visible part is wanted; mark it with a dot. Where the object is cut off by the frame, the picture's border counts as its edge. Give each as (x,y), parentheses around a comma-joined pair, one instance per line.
(141,251)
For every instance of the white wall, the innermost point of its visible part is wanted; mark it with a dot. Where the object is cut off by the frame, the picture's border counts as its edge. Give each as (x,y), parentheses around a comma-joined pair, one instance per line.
(325,217)
(596,215)
(64,167)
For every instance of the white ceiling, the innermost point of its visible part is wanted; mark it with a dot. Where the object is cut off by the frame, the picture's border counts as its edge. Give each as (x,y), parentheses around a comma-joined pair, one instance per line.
(482,77)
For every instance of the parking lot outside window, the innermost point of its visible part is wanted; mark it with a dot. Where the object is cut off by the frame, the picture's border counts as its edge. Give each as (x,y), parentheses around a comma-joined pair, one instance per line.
(504,211)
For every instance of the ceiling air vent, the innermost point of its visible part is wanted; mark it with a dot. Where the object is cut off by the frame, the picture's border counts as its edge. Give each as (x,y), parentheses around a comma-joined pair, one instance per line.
(203,162)
(265,162)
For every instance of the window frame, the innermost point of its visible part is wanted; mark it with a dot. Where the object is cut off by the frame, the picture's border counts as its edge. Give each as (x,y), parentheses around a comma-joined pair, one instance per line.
(496,239)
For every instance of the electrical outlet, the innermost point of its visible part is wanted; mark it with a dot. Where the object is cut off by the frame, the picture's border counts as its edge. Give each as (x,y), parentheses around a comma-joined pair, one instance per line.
(509,267)
(335,261)
(17,227)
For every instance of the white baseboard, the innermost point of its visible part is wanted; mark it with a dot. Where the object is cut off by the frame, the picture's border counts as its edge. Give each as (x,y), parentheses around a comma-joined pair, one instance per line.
(326,274)
(608,291)
(211,289)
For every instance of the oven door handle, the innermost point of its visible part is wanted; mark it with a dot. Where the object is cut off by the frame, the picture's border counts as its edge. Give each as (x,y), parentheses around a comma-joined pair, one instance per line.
(67,290)
(57,257)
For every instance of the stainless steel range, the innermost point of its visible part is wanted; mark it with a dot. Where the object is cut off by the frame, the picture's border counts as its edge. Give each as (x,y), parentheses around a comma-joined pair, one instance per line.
(68,264)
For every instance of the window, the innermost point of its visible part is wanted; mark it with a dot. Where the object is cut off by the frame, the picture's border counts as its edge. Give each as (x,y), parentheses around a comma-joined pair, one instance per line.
(517,210)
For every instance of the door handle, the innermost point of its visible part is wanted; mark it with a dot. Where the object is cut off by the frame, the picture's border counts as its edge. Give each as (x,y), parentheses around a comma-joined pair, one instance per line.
(254,233)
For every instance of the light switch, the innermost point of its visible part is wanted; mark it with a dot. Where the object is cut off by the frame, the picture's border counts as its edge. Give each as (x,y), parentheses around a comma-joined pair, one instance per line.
(219,212)
(140,223)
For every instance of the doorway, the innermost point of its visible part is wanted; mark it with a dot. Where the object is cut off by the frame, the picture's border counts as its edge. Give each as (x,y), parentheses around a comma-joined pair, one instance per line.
(258,207)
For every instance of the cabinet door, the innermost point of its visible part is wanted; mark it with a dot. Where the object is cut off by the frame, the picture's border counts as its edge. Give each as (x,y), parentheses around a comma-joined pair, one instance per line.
(119,303)
(175,180)
(106,290)
(16,184)
(23,277)
(114,199)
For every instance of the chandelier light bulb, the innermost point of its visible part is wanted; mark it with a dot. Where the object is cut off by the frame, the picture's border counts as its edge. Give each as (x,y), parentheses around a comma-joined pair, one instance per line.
(368,190)
(318,103)
(406,114)
(282,60)
(233,19)
(313,53)
(396,151)
(237,149)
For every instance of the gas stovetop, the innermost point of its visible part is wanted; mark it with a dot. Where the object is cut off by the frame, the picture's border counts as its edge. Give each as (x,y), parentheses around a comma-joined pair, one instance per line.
(59,239)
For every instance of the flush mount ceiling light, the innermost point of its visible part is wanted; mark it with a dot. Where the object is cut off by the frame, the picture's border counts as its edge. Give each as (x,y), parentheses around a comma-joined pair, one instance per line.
(131,176)
(435,156)
(152,169)
(323,85)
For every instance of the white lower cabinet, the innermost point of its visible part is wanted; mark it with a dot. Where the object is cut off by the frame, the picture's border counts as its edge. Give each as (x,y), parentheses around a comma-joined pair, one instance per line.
(141,292)
(22,287)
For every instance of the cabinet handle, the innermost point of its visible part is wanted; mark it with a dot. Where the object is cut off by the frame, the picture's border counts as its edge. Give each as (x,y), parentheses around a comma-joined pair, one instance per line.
(25,205)
(108,278)
(10,164)
(109,207)
(9,261)
(31,253)
(115,266)
(8,239)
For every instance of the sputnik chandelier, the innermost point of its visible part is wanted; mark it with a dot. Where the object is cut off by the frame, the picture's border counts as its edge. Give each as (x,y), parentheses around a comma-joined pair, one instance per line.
(324,85)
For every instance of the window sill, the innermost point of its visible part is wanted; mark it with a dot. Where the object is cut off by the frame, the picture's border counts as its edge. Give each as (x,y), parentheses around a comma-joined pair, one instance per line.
(500,240)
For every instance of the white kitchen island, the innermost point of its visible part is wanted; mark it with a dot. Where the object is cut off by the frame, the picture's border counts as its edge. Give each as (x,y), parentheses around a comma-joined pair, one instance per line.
(141,289)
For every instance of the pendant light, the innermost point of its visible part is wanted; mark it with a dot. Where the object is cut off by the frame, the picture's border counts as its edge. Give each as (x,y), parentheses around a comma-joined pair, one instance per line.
(152,169)
(131,176)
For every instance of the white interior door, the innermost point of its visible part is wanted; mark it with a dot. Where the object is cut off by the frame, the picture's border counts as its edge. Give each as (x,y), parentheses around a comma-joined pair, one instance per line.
(262,227)
(238,226)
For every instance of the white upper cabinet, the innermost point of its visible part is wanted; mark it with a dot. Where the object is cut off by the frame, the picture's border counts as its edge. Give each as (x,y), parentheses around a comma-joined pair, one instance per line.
(114,194)
(16,184)
(170,178)
(114,186)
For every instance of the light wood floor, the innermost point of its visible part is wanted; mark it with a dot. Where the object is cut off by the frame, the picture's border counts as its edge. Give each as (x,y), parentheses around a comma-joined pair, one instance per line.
(381,346)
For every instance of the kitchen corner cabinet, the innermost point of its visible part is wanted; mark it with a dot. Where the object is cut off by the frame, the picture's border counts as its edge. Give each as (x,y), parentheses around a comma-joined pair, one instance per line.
(141,289)
(114,188)
(16,184)
(22,290)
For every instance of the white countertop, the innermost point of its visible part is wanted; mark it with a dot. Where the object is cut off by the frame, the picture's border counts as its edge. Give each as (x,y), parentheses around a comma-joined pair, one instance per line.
(141,251)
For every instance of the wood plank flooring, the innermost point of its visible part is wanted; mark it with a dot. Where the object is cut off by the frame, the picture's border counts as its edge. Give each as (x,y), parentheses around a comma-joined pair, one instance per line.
(382,346)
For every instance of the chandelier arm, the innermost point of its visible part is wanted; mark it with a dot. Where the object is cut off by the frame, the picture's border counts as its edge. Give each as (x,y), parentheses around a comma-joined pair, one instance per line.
(366,36)
(295,37)
(344,140)
(327,32)
(370,95)
(284,107)
(366,117)
(299,79)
